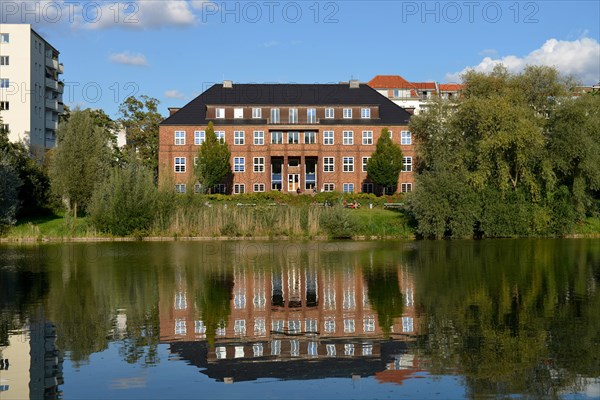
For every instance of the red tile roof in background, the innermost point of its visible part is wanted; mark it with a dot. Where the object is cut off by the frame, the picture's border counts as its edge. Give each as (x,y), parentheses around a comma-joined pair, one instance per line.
(389,82)
(451,87)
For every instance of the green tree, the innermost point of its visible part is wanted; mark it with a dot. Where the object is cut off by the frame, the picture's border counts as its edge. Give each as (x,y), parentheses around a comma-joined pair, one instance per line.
(9,192)
(140,118)
(386,162)
(126,201)
(213,161)
(81,159)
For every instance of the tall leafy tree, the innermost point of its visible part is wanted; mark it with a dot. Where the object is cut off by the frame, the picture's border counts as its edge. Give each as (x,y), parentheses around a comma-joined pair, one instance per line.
(140,119)
(81,159)
(386,162)
(9,192)
(213,160)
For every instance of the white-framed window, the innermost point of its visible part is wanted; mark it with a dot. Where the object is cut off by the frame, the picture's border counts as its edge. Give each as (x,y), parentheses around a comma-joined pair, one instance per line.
(329,325)
(180,301)
(368,324)
(348,137)
(310,137)
(275,114)
(179,164)
(4,38)
(4,60)
(238,138)
(405,137)
(220,188)
(365,113)
(294,348)
(220,136)
(276,347)
(239,326)
(349,349)
(276,137)
(199,327)
(221,352)
(294,326)
(407,324)
(4,83)
(293,116)
(259,137)
(179,138)
(259,187)
(367,187)
(406,187)
(349,326)
(367,349)
(180,328)
(197,188)
(239,188)
(331,352)
(238,113)
(348,188)
(348,164)
(260,328)
(310,325)
(195,161)
(328,187)
(328,164)
(389,190)
(347,113)
(365,162)
(278,325)
(259,164)
(239,164)
(219,113)
(293,137)
(329,113)
(256,112)
(328,138)
(312,349)
(367,137)
(199,137)
(180,188)
(407,164)
(311,115)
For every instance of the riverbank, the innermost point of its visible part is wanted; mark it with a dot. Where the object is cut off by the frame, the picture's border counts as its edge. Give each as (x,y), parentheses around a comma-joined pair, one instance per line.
(232,223)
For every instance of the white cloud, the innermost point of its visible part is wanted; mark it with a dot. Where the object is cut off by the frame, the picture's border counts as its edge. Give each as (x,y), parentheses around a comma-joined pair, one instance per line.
(138,14)
(127,58)
(175,94)
(272,43)
(580,58)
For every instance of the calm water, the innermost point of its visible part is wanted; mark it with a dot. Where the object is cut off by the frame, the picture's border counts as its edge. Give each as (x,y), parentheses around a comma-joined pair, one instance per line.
(518,318)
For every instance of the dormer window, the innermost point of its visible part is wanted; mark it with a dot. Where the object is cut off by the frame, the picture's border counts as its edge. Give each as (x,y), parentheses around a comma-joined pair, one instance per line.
(329,113)
(219,113)
(238,113)
(365,113)
(347,113)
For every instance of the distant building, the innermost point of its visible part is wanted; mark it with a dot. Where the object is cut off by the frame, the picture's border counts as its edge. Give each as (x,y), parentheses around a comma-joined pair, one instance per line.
(30,89)
(414,96)
(287,137)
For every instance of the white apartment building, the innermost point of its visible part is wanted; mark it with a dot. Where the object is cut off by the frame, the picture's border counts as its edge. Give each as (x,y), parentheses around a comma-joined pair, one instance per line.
(30,91)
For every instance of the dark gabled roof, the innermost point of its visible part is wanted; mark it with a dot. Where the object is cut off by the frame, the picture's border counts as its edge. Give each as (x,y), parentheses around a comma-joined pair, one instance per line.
(194,113)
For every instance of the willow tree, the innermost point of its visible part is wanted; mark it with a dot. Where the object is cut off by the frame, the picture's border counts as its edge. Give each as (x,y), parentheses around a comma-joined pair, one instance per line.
(385,164)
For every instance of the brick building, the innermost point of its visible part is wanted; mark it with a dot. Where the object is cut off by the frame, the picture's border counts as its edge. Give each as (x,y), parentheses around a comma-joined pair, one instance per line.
(286,137)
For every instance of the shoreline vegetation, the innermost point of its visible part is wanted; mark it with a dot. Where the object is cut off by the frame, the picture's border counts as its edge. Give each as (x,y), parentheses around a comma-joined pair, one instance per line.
(269,216)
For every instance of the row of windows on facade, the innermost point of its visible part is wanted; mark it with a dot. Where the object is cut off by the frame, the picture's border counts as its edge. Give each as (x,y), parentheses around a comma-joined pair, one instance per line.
(240,188)
(293,137)
(293,326)
(311,114)
(312,349)
(258,164)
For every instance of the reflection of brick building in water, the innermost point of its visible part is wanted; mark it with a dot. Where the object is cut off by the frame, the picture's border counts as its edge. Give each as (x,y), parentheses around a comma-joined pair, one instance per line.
(295,313)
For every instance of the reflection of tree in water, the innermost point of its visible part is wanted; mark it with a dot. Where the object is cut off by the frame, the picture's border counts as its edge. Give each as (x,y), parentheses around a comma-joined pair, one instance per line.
(512,317)
(213,300)
(384,294)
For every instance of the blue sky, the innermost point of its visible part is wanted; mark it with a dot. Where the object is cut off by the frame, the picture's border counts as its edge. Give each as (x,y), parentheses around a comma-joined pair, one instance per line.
(173,50)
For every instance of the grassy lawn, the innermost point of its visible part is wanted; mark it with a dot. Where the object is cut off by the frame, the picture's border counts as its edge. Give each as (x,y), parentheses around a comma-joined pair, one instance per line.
(381,222)
(54,226)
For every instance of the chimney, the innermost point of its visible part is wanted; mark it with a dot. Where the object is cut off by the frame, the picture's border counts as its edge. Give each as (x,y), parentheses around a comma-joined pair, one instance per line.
(227,84)
(173,110)
(354,84)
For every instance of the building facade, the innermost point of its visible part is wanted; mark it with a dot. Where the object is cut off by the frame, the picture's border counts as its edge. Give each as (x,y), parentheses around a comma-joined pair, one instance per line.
(30,89)
(286,137)
(413,96)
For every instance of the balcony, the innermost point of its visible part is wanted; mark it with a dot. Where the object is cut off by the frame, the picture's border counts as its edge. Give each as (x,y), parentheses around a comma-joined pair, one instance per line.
(52,104)
(61,68)
(61,108)
(52,84)
(51,124)
(52,63)
(61,87)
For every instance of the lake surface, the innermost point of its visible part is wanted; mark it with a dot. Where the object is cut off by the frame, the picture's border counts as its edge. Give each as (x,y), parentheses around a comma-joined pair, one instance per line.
(459,319)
